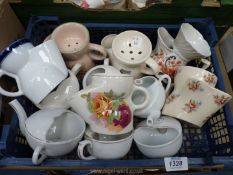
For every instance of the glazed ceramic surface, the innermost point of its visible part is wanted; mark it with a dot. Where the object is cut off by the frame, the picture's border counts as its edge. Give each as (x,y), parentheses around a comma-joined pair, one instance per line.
(50,132)
(190,43)
(102,148)
(106,104)
(39,71)
(130,50)
(195,102)
(163,139)
(65,90)
(185,72)
(74,43)
(168,56)
(99,69)
(91,4)
(156,99)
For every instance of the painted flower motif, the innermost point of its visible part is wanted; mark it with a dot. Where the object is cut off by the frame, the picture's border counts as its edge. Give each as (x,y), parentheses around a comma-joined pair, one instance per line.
(191,106)
(220,100)
(171,98)
(168,63)
(210,78)
(84,4)
(194,85)
(108,110)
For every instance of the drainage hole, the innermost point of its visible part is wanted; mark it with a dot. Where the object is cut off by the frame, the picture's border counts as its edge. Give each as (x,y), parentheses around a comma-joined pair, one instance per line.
(139,52)
(68,45)
(129,44)
(132,58)
(130,52)
(122,51)
(76,43)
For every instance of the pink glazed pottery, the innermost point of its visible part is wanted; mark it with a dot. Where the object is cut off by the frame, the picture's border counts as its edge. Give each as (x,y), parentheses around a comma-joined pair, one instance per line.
(73,41)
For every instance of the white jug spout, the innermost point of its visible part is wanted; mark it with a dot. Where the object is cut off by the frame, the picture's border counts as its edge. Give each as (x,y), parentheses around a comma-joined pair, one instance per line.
(22,116)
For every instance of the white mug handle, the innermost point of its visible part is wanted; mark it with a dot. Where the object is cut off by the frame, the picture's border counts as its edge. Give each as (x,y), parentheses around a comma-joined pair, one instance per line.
(94,49)
(81,147)
(76,68)
(35,157)
(144,103)
(168,78)
(206,63)
(153,116)
(153,67)
(7,93)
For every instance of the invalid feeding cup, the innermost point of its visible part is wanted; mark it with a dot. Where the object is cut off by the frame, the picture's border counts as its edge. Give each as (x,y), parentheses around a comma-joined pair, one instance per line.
(163,139)
(50,132)
(157,97)
(106,104)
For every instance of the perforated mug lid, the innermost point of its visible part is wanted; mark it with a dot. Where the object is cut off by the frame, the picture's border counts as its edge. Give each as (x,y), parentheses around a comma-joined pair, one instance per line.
(131,47)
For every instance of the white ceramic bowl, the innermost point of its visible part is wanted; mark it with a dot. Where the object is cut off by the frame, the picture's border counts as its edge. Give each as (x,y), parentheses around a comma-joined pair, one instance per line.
(161,140)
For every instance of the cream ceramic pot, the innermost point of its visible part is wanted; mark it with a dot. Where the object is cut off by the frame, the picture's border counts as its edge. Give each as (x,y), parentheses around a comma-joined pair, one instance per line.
(37,70)
(163,139)
(167,55)
(102,148)
(130,51)
(106,104)
(50,132)
(157,97)
(195,102)
(73,41)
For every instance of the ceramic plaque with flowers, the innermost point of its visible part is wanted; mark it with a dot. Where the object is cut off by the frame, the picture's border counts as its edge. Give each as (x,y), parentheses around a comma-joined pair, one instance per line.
(109,110)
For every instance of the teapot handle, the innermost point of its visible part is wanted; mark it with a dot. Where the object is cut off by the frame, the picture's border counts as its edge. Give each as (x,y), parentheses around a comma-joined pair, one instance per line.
(97,52)
(168,82)
(35,157)
(146,98)
(206,63)
(152,69)
(81,147)
(7,93)
(76,68)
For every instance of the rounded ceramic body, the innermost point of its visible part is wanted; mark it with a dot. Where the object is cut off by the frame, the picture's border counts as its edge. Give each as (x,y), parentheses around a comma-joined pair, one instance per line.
(40,74)
(58,98)
(157,96)
(190,43)
(103,149)
(73,41)
(186,72)
(106,105)
(195,102)
(131,49)
(99,69)
(162,140)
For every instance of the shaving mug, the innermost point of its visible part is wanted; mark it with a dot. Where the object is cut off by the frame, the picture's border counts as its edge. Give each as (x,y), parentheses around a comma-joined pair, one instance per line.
(163,139)
(157,97)
(129,51)
(73,41)
(106,104)
(105,147)
(37,70)
(195,102)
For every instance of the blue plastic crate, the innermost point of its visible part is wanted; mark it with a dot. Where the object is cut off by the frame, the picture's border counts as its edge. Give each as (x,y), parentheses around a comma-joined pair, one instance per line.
(210,145)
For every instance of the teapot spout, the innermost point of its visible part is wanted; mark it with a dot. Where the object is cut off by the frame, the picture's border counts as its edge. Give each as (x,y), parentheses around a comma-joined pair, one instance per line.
(22,116)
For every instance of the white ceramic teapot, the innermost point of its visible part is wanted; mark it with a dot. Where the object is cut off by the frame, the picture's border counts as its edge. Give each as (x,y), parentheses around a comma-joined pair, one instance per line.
(106,104)
(50,132)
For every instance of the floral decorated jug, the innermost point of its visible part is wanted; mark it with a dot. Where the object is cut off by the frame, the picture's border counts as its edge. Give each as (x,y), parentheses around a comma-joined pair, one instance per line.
(106,104)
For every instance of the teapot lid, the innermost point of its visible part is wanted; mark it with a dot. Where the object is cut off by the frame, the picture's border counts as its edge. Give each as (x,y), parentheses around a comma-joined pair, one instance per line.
(39,123)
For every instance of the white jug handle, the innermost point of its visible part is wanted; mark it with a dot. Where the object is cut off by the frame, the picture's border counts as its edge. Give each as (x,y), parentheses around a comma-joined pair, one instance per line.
(81,147)
(206,63)
(146,98)
(168,82)
(35,157)
(76,68)
(153,116)
(7,93)
(152,69)
(97,52)
(106,62)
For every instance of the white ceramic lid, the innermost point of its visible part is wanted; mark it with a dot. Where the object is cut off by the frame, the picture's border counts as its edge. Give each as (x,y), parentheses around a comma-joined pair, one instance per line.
(131,47)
